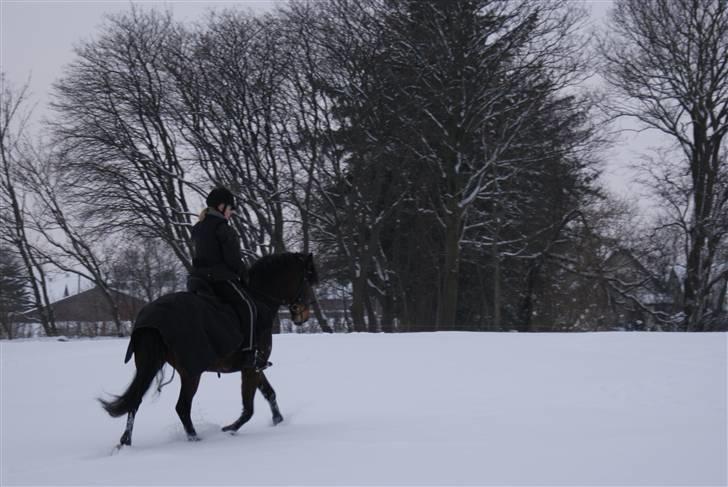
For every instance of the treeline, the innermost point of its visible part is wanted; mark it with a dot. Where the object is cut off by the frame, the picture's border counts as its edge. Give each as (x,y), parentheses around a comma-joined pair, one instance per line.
(439,158)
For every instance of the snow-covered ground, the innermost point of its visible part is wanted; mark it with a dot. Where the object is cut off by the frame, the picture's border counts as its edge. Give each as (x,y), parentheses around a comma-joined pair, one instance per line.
(416,409)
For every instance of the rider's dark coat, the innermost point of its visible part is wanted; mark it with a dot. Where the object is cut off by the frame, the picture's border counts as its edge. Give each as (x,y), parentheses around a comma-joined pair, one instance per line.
(217,255)
(217,261)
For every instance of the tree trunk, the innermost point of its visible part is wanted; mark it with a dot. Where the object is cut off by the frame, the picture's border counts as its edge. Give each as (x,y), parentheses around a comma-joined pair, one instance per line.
(47,313)
(698,263)
(721,296)
(321,319)
(497,319)
(278,237)
(448,300)
(116,315)
(527,305)
(8,327)
(388,310)
(373,322)
(357,305)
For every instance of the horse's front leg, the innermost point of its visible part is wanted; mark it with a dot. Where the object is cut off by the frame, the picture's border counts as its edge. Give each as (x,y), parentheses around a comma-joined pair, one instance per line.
(250,378)
(270,395)
(184,403)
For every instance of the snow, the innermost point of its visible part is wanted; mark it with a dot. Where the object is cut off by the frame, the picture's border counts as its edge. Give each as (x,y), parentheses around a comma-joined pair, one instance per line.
(415,409)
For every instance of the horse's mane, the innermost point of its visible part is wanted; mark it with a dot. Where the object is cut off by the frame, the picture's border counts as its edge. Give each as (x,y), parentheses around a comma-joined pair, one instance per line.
(275,263)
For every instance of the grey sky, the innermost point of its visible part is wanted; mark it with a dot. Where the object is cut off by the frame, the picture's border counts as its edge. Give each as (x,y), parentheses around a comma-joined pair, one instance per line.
(38,37)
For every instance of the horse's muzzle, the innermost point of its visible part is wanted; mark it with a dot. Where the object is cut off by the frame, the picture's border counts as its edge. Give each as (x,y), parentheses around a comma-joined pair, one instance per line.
(300,313)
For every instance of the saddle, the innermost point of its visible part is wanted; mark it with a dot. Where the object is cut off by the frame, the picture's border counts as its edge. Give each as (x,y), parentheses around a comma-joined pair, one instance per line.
(201,287)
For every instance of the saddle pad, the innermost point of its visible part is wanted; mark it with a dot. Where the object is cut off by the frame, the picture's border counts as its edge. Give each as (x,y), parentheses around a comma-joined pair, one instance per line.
(198,330)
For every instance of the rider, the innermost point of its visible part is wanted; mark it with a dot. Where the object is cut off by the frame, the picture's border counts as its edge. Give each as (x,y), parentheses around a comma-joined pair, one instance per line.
(217,261)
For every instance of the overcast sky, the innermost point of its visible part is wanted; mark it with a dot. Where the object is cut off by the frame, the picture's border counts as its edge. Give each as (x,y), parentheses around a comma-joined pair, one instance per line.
(37,40)
(38,37)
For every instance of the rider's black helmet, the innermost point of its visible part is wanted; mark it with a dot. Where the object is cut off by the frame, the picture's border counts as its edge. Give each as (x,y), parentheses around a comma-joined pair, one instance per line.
(220,195)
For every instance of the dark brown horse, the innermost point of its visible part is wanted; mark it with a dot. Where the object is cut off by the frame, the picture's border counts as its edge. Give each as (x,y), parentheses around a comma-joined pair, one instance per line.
(277,280)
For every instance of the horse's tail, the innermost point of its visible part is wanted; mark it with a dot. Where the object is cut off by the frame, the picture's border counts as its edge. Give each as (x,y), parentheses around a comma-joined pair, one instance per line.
(149,352)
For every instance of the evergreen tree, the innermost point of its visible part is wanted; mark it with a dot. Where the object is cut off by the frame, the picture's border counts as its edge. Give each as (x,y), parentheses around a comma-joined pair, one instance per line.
(14,291)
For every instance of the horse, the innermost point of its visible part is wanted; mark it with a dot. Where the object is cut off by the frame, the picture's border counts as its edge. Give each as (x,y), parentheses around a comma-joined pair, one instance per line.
(277,280)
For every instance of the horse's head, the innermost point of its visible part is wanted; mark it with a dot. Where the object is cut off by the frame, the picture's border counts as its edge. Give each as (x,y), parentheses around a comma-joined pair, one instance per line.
(287,279)
(304,298)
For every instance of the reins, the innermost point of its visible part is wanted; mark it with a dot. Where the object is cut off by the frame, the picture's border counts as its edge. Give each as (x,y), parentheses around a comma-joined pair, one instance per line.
(265,296)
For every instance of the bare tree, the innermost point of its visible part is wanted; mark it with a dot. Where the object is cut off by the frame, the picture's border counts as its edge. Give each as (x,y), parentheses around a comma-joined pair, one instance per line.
(668,62)
(12,204)
(68,243)
(115,122)
(228,73)
(144,268)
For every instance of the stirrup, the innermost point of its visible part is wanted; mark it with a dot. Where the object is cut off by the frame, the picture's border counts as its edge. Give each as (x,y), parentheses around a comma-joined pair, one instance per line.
(261,369)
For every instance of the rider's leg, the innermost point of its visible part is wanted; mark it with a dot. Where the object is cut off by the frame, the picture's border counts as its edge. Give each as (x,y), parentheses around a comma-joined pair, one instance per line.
(230,293)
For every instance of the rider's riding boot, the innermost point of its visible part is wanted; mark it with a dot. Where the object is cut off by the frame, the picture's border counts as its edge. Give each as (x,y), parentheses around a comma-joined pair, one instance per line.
(261,361)
(249,359)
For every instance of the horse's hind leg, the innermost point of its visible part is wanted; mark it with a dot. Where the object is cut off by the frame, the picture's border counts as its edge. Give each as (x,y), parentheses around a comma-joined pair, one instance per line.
(148,356)
(184,403)
(250,379)
(270,395)
(126,437)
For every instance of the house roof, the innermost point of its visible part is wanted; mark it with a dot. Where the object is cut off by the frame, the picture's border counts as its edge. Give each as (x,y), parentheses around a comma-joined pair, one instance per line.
(91,306)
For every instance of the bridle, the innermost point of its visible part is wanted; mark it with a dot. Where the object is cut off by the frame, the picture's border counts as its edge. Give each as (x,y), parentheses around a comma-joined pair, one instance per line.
(298,302)
(299,305)
(306,278)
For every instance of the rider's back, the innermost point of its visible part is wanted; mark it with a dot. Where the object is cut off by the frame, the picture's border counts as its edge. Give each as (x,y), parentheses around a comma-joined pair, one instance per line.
(217,254)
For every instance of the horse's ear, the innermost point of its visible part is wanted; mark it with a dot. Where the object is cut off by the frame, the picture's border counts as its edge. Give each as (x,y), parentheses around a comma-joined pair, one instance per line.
(310,257)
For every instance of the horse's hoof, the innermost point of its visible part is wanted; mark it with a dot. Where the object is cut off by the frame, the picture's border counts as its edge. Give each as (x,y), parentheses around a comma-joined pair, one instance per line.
(230,429)
(117,449)
(277,420)
(193,438)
